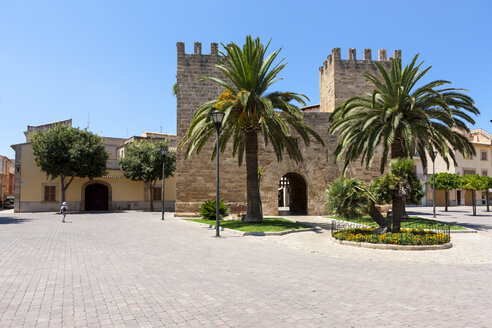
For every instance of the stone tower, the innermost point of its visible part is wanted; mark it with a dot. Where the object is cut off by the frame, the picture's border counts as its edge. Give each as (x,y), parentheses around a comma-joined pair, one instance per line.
(195,177)
(340,79)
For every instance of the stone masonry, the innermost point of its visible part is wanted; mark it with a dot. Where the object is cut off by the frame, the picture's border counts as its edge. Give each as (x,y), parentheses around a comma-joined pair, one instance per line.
(339,79)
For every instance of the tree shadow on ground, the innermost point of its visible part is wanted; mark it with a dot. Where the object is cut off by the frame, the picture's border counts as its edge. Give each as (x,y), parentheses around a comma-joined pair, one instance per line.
(474,226)
(445,217)
(9,220)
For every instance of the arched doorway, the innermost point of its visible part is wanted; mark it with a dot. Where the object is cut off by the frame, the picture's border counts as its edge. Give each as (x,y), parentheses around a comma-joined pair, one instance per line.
(96,197)
(292,195)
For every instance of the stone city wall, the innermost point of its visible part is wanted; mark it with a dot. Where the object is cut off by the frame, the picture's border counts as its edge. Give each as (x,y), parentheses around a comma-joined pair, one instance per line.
(195,177)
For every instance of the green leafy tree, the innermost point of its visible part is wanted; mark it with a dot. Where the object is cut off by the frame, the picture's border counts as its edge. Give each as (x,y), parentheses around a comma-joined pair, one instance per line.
(488,182)
(142,161)
(175,89)
(67,152)
(250,110)
(473,182)
(446,181)
(403,118)
(399,186)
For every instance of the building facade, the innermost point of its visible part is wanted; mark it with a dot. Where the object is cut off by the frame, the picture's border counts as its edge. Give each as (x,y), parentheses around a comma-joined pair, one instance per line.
(306,181)
(34,191)
(6,174)
(480,164)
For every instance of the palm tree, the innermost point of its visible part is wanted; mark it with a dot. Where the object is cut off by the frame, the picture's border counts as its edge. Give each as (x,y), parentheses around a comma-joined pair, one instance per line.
(404,119)
(249,111)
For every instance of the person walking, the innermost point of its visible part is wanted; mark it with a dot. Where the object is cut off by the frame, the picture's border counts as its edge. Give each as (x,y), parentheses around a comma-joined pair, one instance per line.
(63,210)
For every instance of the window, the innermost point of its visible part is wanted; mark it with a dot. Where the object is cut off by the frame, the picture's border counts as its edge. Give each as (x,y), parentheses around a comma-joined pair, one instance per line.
(49,193)
(156,193)
(484,173)
(484,156)
(465,171)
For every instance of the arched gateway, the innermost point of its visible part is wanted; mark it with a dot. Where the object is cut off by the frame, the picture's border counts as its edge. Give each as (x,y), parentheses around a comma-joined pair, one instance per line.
(292,195)
(96,197)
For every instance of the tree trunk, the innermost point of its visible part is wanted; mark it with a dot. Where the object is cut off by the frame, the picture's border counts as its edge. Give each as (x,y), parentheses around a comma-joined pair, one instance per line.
(64,186)
(254,211)
(398,152)
(474,203)
(398,211)
(62,178)
(487,198)
(377,216)
(445,200)
(151,188)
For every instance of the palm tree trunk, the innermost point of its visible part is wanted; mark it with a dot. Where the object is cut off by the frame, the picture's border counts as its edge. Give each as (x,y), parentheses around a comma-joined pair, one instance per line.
(398,212)
(398,152)
(377,216)
(397,149)
(254,211)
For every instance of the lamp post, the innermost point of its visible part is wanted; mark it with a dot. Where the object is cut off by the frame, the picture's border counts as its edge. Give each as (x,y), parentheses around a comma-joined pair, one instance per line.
(163,155)
(217,118)
(434,184)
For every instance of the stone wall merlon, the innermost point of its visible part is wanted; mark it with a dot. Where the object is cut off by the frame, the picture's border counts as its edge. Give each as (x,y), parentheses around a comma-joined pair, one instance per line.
(197,49)
(335,56)
(351,55)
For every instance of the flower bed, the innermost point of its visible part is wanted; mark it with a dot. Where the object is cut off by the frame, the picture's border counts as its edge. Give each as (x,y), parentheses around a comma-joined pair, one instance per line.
(405,237)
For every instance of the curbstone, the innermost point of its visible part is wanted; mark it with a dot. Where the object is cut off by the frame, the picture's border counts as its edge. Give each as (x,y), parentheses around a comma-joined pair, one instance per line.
(392,246)
(256,233)
(468,230)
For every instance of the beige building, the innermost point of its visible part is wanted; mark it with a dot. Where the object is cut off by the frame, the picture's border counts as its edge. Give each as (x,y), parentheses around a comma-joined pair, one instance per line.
(34,191)
(480,164)
(5,172)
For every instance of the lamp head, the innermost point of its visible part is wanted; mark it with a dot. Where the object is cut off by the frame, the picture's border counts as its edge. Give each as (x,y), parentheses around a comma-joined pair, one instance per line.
(164,152)
(217,117)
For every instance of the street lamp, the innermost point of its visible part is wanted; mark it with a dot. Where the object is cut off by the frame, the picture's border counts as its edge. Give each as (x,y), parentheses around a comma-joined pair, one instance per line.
(434,184)
(163,155)
(217,118)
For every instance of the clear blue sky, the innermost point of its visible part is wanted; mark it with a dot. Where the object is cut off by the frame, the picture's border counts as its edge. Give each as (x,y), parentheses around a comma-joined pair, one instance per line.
(116,60)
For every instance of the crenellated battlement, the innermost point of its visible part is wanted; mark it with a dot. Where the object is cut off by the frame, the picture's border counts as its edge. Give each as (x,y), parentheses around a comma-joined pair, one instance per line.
(340,78)
(197,54)
(336,57)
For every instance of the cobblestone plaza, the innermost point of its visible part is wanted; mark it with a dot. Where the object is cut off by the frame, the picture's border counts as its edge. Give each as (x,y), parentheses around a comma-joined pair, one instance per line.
(133,270)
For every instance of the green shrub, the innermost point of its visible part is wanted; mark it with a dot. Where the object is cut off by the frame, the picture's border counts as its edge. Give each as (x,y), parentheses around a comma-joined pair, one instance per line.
(208,209)
(404,237)
(349,198)
(401,176)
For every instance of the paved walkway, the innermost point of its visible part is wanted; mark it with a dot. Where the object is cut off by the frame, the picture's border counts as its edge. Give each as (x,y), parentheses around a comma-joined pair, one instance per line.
(133,270)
